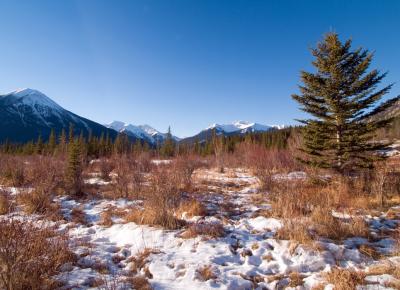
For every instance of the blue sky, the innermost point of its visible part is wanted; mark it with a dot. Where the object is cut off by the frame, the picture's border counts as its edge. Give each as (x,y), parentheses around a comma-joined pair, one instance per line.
(184,63)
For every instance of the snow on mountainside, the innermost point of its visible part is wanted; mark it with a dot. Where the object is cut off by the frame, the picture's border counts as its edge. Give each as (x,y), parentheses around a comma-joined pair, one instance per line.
(26,114)
(235,128)
(241,127)
(145,132)
(33,98)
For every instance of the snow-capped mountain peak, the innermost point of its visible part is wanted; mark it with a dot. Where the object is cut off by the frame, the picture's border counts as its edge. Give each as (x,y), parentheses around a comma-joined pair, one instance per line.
(26,114)
(240,127)
(149,130)
(32,98)
(140,131)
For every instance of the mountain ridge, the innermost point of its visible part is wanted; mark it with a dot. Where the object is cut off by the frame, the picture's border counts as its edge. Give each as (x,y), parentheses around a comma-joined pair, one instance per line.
(26,114)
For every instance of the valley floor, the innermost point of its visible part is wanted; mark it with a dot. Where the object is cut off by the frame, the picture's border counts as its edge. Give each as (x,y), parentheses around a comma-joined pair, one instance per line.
(247,256)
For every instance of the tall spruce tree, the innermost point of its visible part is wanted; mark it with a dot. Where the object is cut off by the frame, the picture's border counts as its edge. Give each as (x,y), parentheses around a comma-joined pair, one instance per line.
(73,177)
(168,148)
(52,143)
(342,96)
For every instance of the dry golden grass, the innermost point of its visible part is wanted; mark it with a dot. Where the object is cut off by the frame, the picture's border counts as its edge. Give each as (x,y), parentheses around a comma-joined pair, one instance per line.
(140,283)
(370,251)
(393,213)
(106,217)
(191,208)
(344,279)
(205,273)
(213,230)
(328,226)
(139,261)
(78,216)
(39,202)
(295,230)
(386,267)
(296,279)
(275,277)
(153,217)
(100,266)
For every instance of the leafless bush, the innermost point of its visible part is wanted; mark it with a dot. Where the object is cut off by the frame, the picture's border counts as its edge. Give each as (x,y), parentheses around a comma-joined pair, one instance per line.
(144,162)
(185,165)
(137,182)
(12,170)
(162,199)
(385,181)
(46,178)
(5,204)
(123,176)
(105,167)
(37,201)
(260,158)
(31,256)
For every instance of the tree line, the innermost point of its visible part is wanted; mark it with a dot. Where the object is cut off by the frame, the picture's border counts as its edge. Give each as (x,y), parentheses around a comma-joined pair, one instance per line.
(104,146)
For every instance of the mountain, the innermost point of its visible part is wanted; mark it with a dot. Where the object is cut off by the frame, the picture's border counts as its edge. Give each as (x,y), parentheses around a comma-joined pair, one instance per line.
(240,127)
(144,132)
(235,128)
(26,114)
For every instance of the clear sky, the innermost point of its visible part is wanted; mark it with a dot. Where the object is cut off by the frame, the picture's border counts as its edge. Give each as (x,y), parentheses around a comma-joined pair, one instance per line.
(182,63)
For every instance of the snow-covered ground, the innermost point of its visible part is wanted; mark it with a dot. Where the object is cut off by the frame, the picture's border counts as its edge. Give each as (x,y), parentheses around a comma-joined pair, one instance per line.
(247,257)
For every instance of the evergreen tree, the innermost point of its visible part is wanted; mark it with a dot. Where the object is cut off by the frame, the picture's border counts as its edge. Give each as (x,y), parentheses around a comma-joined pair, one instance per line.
(73,178)
(71,133)
(63,141)
(342,97)
(39,145)
(52,141)
(168,148)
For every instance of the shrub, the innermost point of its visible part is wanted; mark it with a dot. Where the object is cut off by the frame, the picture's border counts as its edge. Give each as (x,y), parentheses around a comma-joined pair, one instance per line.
(105,167)
(144,162)
(12,171)
(123,169)
(38,201)
(185,165)
(5,205)
(30,256)
(46,177)
(161,201)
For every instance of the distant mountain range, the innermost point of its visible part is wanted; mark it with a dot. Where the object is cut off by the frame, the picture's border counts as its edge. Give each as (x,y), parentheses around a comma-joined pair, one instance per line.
(26,114)
(235,128)
(144,132)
